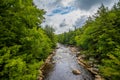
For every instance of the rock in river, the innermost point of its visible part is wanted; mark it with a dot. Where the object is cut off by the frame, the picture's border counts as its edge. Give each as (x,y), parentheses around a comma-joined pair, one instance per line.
(76,72)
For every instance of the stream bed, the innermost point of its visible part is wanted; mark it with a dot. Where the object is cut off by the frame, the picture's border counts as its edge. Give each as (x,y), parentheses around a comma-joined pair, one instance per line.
(64,63)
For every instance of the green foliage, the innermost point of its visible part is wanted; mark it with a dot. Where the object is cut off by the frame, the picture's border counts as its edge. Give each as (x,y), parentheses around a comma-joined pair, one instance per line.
(111,65)
(50,33)
(67,38)
(100,39)
(23,45)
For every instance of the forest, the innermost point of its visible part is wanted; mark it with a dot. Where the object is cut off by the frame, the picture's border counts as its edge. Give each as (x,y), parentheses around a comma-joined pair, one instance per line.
(24,44)
(99,38)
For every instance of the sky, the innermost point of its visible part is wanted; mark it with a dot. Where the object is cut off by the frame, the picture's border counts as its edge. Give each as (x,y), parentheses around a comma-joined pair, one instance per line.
(65,15)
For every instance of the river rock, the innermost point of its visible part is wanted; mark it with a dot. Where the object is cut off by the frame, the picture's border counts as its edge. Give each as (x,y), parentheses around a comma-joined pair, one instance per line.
(76,72)
(98,77)
(57,47)
(77,52)
(40,78)
(92,71)
(96,69)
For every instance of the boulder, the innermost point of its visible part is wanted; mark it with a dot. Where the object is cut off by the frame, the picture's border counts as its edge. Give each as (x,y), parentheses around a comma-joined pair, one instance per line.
(57,47)
(98,77)
(76,72)
(92,71)
(40,78)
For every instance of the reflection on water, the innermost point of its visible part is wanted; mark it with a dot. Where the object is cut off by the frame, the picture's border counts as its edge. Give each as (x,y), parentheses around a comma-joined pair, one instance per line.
(65,62)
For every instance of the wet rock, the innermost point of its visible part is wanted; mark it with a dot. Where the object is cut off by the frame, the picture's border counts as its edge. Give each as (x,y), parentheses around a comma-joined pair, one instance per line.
(77,52)
(83,63)
(47,66)
(73,49)
(40,78)
(53,62)
(48,59)
(98,77)
(79,58)
(80,63)
(57,47)
(92,71)
(96,70)
(76,72)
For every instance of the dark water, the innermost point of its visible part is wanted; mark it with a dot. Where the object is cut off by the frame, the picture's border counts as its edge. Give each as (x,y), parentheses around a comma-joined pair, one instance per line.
(65,62)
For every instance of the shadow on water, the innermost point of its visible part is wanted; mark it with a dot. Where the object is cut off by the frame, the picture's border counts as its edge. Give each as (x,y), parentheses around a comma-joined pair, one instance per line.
(64,63)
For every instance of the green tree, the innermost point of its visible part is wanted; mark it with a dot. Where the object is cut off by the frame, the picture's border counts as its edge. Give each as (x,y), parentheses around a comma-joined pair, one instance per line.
(50,33)
(99,38)
(23,44)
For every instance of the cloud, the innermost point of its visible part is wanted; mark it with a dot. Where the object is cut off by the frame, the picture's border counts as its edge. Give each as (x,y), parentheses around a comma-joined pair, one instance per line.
(88,4)
(65,21)
(47,5)
(63,24)
(63,15)
(80,21)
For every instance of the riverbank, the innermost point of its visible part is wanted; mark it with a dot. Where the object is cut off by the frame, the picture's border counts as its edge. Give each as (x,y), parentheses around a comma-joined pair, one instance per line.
(46,67)
(49,64)
(89,65)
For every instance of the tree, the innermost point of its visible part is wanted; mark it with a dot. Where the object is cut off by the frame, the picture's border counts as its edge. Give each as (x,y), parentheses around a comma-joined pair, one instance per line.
(23,45)
(50,33)
(99,39)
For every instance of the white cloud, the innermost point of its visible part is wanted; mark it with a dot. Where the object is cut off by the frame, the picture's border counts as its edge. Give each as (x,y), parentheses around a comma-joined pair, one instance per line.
(66,2)
(68,19)
(47,5)
(69,12)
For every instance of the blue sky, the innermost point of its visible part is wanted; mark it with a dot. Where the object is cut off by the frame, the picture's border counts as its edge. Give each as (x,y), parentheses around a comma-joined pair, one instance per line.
(61,10)
(63,15)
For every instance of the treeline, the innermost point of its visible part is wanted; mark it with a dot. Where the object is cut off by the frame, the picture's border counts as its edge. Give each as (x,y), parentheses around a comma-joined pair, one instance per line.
(23,44)
(100,38)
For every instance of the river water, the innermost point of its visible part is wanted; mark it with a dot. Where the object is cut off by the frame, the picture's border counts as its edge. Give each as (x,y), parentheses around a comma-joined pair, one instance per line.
(65,61)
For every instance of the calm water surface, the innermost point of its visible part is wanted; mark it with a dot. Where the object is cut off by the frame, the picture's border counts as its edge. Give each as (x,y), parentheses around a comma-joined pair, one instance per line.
(65,62)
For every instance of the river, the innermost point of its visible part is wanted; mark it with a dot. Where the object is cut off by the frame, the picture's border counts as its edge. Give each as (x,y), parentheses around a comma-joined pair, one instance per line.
(64,63)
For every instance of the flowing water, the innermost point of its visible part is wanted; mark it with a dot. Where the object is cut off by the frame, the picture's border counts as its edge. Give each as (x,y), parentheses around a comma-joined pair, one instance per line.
(65,62)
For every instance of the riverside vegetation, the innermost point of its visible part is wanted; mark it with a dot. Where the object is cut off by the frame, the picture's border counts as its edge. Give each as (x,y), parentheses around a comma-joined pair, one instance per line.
(23,43)
(99,39)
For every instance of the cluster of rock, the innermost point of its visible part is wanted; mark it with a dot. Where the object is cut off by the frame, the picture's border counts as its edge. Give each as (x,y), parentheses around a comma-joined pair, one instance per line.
(90,66)
(47,66)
